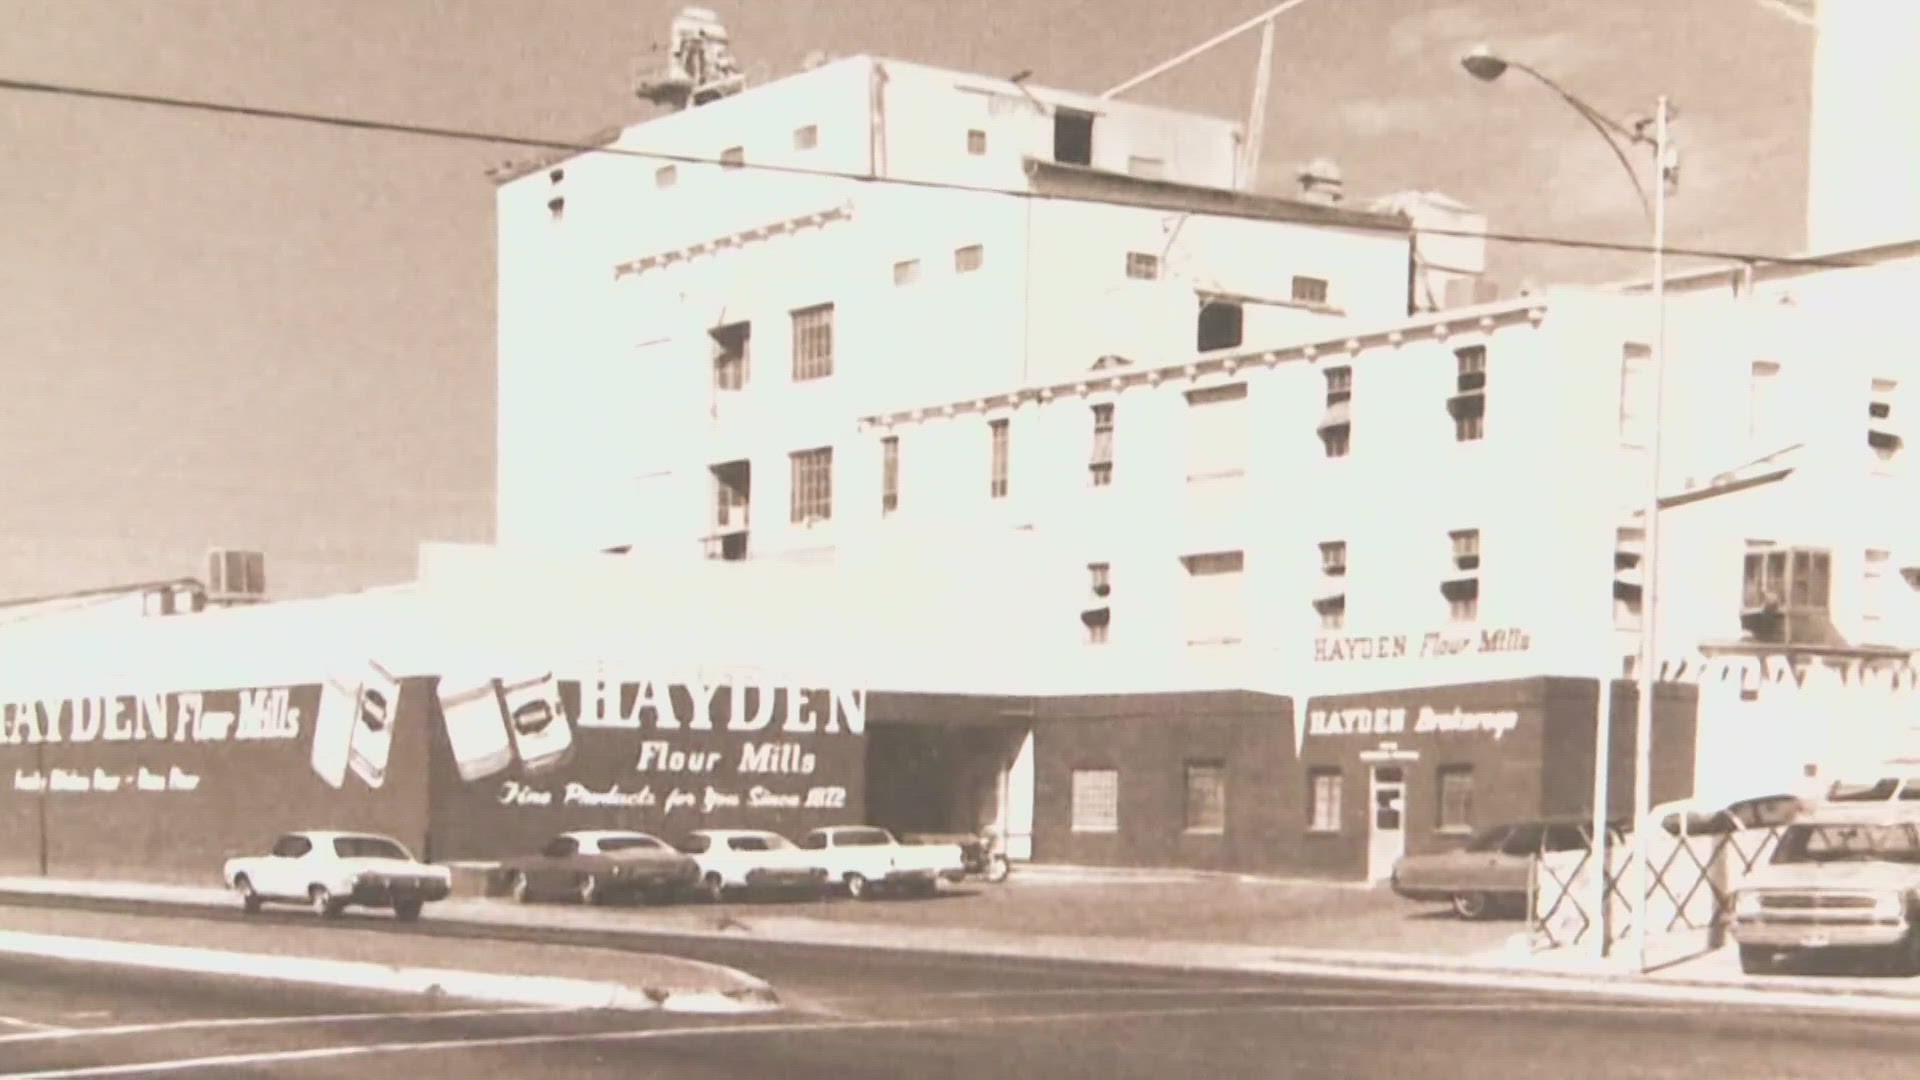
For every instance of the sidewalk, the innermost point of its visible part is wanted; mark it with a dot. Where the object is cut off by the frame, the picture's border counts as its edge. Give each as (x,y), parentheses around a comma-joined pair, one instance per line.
(905,925)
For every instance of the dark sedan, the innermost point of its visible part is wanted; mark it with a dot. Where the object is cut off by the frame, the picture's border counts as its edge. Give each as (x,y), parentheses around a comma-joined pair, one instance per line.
(1492,871)
(596,865)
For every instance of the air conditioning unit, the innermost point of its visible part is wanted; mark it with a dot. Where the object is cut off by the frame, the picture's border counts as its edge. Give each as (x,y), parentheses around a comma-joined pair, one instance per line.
(236,577)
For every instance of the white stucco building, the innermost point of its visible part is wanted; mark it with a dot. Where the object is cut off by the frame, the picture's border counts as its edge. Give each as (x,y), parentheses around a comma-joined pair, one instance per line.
(692,320)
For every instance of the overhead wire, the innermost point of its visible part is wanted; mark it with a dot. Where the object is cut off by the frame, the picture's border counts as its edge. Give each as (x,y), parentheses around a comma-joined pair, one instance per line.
(1309,214)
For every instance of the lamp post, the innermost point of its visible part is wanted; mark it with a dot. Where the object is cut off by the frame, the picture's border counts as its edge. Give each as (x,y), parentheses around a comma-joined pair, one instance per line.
(1484,65)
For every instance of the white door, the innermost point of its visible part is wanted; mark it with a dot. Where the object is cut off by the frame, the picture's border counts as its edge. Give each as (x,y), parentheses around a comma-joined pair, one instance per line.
(1386,821)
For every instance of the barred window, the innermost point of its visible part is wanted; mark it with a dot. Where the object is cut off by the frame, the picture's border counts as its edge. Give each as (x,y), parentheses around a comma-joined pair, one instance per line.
(1143,266)
(1456,798)
(997,485)
(813,342)
(1100,463)
(812,485)
(1309,290)
(731,345)
(889,474)
(1206,796)
(1096,800)
(1323,799)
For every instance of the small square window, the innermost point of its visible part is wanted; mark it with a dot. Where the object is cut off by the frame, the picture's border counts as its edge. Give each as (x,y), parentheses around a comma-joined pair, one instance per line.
(976,142)
(666,176)
(1466,548)
(1309,290)
(1339,385)
(733,157)
(906,271)
(1143,266)
(806,138)
(1333,558)
(968,259)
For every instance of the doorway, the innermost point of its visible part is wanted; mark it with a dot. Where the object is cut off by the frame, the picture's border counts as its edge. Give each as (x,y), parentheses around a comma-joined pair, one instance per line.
(1386,821)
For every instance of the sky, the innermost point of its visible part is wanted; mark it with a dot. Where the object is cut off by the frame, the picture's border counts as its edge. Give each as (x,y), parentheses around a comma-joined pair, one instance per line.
(219,331)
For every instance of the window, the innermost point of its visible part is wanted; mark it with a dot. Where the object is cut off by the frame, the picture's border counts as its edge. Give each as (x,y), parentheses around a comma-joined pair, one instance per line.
(1221,325)
(1098,613)
(1309,290)
(1217,432)
(889,474)
(906,271)
(806,138)
(291,847)
(1072,137)
(1873,575)
(812,485)
(1462,586)
(732,495)
(1216,597)
(813,342)
(1333,558)
(1100,462)
(1323,799)
(1785,593)
(730,359)
(1456,798)
(695,844)
(997,481)
(968,259)
(1880,431)
(557,206)
(1147,168)
(1096,800)
(1636,394)
(976,142)
(1762,382)
(666,176)
(1206,796)
(1336,424)
(733,157)
(1333,611)
(1468,405)
(1628,545)
(1143,266)
(560,847)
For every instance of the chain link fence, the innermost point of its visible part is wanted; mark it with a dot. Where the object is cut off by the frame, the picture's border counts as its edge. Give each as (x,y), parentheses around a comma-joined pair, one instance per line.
(1690,885)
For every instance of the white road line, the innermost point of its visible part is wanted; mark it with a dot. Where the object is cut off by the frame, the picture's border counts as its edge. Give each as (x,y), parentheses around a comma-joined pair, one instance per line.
(322,1053)
(30,1025)
(1143,991)
(47,1032)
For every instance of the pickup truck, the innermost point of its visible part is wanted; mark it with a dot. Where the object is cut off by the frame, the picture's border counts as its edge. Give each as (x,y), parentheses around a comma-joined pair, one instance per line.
(1843,880)
(866,860)
(330,870)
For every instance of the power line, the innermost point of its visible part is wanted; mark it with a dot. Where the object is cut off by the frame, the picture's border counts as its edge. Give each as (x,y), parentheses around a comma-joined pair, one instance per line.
(534,143)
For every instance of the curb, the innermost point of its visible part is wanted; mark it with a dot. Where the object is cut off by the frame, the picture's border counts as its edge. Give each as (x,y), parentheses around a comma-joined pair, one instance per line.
(532,990)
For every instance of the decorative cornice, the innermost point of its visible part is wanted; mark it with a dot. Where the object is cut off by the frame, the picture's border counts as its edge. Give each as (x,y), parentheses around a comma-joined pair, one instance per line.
(788,227)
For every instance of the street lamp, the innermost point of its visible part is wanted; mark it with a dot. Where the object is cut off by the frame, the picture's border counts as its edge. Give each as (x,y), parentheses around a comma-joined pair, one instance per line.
(1484,65)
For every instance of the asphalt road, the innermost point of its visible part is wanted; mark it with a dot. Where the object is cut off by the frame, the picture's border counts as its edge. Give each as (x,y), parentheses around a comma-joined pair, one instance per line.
(930,1017)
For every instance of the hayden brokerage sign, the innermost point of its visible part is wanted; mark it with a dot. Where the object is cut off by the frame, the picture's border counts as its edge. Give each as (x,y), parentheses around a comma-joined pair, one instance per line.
(154,725)
(1433,644)
(1425,720)
(699,744)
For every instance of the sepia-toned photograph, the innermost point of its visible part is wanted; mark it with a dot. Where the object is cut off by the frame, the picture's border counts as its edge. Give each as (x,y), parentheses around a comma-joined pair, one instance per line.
(1060,538)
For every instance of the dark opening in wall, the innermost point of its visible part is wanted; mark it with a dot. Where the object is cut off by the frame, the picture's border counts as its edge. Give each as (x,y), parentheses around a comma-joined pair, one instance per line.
(1072,137)
(1221,325)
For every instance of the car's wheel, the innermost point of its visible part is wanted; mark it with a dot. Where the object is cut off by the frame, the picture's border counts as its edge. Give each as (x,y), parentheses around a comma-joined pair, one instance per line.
(249,899)
(520,887)
(859,887)
(325,904)
(714,887)
(589,890)
(407,910)
(998,868)
(1755,960)
(1472,905)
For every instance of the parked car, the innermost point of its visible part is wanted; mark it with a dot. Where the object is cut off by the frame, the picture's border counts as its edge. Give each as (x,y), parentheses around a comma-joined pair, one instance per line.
(331,870)
(1716,817)
(594,865)
(1493,870)
(866,860)
(1842,879)
(744,859)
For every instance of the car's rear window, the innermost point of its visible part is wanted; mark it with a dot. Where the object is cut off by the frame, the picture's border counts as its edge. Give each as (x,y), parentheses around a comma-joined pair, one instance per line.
(629,843)
(757,843)
(368,847)
(860,838)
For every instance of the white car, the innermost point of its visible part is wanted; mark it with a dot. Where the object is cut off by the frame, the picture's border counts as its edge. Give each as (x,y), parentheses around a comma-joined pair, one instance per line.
(742,859)
(864,860)
(331,870)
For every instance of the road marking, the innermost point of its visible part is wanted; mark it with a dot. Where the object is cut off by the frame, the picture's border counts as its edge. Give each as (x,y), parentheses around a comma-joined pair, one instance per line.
(30,1025)
(322,1053)
(48,1032)
(1138,991)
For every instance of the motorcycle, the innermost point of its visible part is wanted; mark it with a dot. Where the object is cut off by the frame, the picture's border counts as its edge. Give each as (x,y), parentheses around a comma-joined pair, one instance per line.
(983,855)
